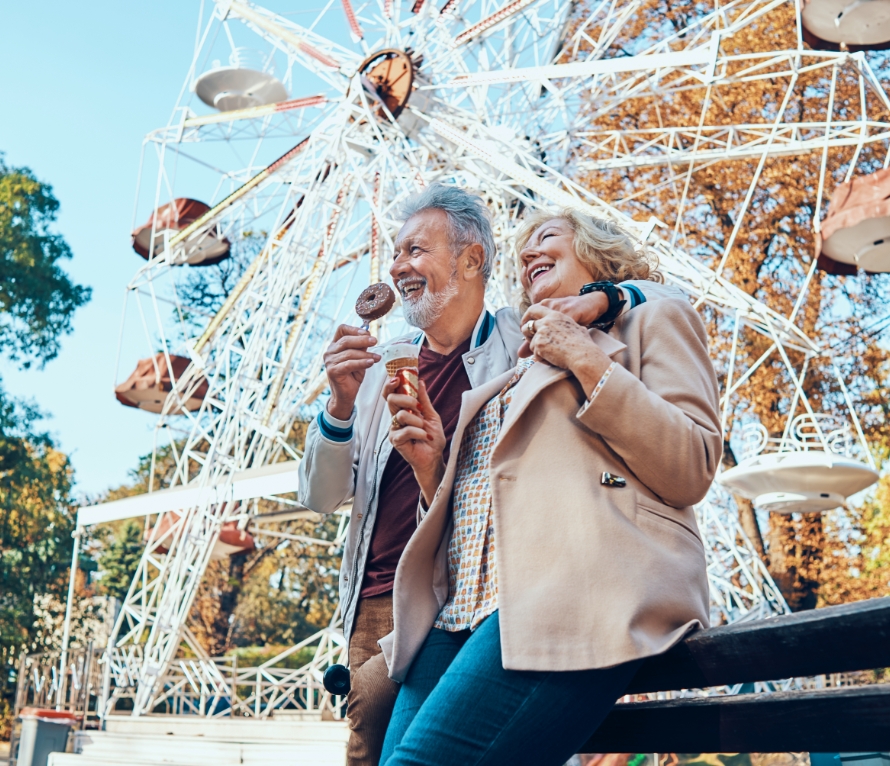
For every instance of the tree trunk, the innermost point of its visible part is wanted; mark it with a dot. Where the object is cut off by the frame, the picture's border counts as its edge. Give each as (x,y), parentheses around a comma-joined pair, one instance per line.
(796,543)
(747,517)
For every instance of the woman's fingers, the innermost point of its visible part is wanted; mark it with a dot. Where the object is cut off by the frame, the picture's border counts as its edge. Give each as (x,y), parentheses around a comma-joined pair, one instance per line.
(399,402)
(389,387)
(536,311)
(533,318)
(408,418)
(426,406)
(405,436)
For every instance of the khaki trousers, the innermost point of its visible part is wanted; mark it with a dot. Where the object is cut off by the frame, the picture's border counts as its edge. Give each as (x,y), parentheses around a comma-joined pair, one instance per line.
(373,693)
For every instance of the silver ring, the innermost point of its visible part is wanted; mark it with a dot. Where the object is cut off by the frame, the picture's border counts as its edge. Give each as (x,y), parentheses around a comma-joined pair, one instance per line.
(530,326)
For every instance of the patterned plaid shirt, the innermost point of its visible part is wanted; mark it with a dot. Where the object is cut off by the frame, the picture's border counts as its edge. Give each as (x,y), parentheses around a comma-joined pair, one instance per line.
(472,574)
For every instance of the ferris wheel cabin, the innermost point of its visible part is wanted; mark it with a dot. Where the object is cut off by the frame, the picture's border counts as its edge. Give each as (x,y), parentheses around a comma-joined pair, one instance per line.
(846,24)
(167,221)
(234,87)
(812,467)
(231,540)
(856,232)
(150,384)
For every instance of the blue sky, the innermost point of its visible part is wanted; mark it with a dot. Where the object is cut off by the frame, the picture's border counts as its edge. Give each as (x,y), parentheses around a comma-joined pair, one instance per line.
(82,83)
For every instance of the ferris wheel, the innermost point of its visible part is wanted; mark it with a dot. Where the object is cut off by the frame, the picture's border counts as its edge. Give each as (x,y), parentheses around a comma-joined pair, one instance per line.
(307,143)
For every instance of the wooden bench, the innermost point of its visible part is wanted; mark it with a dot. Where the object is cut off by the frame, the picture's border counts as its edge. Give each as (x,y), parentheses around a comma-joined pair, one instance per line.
(836,639)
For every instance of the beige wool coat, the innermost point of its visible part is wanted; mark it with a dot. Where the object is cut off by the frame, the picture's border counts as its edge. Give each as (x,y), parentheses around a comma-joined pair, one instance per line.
(589,575)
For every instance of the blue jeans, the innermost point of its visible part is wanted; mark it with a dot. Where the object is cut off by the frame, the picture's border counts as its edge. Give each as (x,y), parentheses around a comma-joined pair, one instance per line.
(459,706)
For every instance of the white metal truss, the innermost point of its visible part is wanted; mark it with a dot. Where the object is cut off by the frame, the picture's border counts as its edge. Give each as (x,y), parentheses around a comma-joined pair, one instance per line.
(498,89)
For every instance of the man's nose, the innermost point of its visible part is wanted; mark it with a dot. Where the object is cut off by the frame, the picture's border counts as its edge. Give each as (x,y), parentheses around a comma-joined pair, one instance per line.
(400,267)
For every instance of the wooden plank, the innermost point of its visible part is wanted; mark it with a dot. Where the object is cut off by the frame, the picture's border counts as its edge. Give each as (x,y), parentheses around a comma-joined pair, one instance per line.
(849,719)
(831,640)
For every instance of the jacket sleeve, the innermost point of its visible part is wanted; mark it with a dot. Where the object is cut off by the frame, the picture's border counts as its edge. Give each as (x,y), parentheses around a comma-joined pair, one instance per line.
(665,424)
(638,292)
(329,464)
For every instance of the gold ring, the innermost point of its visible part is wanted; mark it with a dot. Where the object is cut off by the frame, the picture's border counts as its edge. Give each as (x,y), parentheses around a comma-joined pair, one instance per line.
(394,423)
(530,326)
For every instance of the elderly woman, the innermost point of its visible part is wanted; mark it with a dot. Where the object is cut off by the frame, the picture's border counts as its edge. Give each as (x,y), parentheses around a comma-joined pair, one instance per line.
(560,546)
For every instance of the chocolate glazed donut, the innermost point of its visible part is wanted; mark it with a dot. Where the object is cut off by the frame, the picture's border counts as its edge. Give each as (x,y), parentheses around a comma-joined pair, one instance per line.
(374,302)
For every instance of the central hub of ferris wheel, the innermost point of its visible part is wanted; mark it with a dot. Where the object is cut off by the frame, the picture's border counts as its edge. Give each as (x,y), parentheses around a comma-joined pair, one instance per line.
(389,76)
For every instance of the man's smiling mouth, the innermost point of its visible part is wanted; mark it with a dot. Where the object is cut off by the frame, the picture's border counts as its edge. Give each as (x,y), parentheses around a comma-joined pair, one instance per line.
(408,288)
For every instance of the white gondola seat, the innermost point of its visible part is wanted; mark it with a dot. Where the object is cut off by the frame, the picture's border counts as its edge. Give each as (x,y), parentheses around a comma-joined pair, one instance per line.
(811,469)
(232,87)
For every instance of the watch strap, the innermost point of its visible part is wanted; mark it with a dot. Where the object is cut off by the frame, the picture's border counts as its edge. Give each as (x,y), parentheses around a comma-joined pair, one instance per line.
(606,320)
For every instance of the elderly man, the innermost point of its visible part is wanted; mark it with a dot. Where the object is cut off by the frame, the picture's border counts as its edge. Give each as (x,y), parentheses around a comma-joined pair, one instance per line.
(443,258)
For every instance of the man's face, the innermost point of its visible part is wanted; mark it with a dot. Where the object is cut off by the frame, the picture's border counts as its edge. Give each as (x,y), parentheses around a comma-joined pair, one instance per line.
(424,268)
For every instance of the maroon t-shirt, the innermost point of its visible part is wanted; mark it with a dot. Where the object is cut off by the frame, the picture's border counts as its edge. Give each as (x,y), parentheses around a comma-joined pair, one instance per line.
(446,380)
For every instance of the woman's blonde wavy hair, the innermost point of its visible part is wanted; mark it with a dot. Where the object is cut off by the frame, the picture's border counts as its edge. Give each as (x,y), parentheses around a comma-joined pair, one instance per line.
(603,247)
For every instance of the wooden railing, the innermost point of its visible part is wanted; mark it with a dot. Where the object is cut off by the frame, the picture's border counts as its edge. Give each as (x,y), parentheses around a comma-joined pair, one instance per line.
(835,640)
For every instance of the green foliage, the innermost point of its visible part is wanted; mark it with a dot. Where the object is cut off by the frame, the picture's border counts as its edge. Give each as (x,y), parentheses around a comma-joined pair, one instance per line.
(37,298)
(36,522)
(857,562)
(254,656)
(119,560)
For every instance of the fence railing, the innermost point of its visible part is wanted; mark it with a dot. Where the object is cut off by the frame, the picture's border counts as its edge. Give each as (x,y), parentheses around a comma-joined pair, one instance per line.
(96,683)
(43,683)
(220,687)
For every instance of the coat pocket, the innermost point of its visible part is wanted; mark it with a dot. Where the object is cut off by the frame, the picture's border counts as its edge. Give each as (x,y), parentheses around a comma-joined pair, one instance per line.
(649,509)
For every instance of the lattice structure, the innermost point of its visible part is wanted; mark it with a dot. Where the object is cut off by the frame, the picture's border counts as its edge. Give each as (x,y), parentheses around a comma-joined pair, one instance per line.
(482,93)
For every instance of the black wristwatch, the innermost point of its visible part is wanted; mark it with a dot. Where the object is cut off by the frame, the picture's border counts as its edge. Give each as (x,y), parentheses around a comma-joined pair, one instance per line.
(606,320)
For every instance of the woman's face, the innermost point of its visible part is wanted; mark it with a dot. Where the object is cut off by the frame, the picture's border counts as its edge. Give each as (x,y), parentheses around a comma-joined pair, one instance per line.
(549,266)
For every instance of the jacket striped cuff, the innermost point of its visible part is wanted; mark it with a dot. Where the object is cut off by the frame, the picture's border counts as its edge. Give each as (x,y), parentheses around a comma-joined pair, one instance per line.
(333,429)
(635,297)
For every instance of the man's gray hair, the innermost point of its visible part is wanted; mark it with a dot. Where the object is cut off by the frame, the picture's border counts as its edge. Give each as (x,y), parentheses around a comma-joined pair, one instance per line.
(469,220)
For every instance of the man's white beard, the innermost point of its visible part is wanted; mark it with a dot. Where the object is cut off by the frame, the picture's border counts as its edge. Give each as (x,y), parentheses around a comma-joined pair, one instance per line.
(422,312)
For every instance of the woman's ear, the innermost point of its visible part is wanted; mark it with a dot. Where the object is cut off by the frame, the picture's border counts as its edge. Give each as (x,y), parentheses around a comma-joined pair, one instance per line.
(474,261)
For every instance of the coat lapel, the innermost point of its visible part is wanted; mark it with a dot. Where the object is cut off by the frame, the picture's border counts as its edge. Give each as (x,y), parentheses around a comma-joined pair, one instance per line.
(542,375)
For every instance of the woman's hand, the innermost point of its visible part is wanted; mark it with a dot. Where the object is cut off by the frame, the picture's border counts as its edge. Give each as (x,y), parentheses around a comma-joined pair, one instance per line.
(584,309)
(417,434)
(559,340)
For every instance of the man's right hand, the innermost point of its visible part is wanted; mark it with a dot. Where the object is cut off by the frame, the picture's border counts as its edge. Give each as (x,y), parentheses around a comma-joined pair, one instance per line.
(345,362)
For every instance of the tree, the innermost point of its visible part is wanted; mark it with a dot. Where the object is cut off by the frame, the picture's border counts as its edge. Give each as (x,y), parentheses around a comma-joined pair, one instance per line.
(37,298)
(36,522)
(119,559)
(766,250)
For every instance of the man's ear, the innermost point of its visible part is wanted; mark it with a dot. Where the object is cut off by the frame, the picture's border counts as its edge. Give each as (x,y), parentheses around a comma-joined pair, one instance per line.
(473,257)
